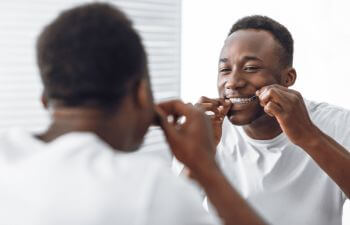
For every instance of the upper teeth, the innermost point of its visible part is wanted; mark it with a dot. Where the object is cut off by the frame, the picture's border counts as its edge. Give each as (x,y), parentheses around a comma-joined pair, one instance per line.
(242,100)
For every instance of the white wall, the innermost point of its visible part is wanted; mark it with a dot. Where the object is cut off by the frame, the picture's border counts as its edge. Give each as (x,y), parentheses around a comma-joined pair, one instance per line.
(319,29)
(322,46)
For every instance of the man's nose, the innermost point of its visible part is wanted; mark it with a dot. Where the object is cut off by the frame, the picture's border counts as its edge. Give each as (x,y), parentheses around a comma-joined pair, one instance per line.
(235,80)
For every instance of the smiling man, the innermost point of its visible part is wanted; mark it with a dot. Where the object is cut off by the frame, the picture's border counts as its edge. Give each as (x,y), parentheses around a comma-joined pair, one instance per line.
(272,145)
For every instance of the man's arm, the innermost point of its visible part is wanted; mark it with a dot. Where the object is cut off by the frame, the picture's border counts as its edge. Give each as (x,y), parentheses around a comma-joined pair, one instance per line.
(288,107)
(192,143)
(333,158)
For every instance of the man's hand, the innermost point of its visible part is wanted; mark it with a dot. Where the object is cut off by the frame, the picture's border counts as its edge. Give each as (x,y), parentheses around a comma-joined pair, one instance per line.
(219,109)
(192,141)
(288,107)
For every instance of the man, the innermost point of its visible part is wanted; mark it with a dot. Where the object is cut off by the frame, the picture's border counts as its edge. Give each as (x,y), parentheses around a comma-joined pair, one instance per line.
(272,145)
(80,171)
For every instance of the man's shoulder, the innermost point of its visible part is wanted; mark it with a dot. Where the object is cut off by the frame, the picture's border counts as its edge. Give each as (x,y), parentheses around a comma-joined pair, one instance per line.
(14,143)
(315,106)
(72,152)
(331,119)
(321,112)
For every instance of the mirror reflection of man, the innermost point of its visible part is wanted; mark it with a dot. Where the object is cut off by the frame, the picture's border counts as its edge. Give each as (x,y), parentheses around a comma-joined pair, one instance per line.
(271,143)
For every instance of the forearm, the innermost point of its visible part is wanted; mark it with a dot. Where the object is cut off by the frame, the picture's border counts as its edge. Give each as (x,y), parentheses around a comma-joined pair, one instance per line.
(333,158)
(231,207)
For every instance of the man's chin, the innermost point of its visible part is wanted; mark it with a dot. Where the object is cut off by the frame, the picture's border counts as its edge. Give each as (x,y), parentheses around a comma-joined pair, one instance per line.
(243,119)
(235,120)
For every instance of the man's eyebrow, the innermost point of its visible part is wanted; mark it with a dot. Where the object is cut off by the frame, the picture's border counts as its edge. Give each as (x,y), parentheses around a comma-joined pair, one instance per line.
(245,58)
(223,60)
(250,57)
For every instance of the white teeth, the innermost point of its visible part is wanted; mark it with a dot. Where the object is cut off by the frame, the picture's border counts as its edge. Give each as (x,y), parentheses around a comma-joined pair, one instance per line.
(242,100)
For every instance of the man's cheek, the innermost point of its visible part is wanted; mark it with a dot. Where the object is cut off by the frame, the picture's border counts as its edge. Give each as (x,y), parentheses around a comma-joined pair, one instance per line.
(221,87)
(265,79)
(221,91)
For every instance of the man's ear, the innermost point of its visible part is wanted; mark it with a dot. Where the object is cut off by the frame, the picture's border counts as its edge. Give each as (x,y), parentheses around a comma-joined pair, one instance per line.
(44,99)
(289,77)
(143,94)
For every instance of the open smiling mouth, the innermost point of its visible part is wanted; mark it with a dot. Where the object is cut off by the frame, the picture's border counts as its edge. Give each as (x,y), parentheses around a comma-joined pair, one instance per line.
(242,101)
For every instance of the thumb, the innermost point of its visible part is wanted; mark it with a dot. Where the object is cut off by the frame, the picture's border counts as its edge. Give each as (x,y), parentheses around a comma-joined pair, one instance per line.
(169,129)
(227,106)
(273,110)
(224,107)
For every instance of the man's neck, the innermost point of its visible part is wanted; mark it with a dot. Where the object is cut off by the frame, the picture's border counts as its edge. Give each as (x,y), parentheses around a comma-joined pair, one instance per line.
(263,128)
(66,120)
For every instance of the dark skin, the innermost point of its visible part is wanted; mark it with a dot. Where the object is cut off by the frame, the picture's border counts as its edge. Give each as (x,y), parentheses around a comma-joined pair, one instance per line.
(247,63)
(248,67)
(125,127)
(192,144)
(127,124)
(288,107)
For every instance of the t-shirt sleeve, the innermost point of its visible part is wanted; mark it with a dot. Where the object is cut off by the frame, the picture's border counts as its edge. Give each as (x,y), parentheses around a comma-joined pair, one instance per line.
(343,134)
(342,128)
(335,122)
(176,201)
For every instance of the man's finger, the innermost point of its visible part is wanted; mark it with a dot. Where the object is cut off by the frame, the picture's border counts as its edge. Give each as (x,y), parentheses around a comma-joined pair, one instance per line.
(225,106)
(273,109)
(176,108)
(258,92)
(208,107)
(169,129)
(215,119)
(273,93)
(204,99)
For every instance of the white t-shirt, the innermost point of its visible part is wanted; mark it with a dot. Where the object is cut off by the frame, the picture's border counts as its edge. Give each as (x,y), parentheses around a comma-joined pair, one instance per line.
(279,179)
(78,179)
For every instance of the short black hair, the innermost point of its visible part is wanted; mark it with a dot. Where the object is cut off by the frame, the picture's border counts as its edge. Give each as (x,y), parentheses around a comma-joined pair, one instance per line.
(90,53)
(278,31)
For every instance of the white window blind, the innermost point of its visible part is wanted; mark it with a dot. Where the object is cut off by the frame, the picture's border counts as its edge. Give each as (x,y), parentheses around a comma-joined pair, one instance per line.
(158,21)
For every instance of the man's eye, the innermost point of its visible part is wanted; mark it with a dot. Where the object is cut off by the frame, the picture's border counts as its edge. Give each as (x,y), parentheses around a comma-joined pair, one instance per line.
(251,68)
(224,70)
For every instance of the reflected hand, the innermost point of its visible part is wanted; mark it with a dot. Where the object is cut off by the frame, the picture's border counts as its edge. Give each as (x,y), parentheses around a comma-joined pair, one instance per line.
(219,108)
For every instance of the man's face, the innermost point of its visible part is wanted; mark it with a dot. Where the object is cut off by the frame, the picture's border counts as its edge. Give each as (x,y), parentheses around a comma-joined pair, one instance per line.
(249,60)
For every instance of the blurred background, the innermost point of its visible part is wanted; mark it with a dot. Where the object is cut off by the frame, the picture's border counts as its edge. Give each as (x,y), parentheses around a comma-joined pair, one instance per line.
(183,40)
